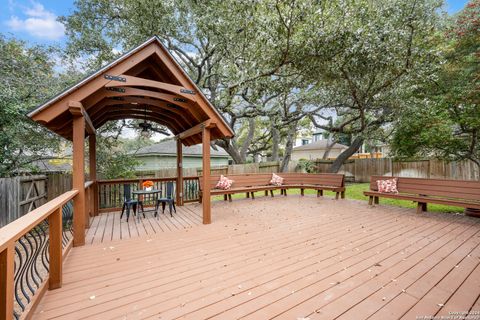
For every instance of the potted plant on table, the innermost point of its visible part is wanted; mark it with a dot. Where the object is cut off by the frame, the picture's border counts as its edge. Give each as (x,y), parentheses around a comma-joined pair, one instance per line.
(147,185)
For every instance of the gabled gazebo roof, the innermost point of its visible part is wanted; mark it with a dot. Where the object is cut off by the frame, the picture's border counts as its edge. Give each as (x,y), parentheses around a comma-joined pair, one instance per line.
(144,83)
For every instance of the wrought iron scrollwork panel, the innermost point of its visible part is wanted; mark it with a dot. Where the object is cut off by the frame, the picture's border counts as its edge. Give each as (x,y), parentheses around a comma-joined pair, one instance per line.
(31,265)
(32,259)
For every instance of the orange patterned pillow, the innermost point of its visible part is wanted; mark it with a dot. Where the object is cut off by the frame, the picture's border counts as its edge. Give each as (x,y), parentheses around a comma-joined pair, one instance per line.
(387,186)
(276,180)
(224,183)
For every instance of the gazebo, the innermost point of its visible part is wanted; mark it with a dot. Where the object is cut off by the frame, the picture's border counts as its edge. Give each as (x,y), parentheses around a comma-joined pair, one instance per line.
(145,83)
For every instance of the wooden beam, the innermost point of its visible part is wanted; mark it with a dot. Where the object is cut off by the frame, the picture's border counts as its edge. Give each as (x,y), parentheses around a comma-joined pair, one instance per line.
(79,181)
(116,115)
(196,129)
(206,207)
(134,92)
(130,81)
(152,111)
(76,109)
(141,102)
(179,188)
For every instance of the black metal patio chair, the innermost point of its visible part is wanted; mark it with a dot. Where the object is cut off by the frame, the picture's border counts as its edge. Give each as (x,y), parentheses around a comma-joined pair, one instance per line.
(168,199)
(128,202)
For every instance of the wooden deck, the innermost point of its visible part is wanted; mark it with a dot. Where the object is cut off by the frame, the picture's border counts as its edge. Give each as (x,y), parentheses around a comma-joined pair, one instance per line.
(108,227)
(283,258)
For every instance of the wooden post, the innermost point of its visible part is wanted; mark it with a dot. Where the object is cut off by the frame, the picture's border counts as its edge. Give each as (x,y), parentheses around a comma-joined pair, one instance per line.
(92,150)
(79,180)
(179,188)
(55,249)
(207,219)
(7,266)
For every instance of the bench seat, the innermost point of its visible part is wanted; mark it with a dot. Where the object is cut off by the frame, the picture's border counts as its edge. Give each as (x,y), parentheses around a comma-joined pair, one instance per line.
(458,193)
(251,183)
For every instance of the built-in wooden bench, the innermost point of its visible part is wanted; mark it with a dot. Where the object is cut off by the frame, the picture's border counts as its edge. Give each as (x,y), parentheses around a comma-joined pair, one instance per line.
(251,183)
(459,193)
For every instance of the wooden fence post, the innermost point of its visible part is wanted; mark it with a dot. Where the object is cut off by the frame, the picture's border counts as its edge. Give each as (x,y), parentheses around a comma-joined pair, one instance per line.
(55,249)
(7,265)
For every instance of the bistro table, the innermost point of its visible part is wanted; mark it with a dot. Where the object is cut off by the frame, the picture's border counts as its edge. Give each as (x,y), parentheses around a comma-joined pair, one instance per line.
(152,195)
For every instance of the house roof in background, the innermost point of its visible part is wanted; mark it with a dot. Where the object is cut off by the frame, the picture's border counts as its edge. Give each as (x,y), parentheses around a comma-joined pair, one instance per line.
(170,147)
(319,145)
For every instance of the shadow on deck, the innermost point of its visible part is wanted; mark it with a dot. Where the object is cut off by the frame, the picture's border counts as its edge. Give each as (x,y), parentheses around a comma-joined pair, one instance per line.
(284,258)
(109,227)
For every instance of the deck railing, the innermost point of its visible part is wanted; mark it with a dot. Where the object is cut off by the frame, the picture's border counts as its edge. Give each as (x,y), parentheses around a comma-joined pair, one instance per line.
(89,201)
(31,255)
(111,192)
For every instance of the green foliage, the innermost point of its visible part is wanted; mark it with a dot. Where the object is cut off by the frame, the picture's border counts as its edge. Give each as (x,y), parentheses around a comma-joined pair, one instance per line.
(27,78)
(444,121)
(307,166)
(115,155)
(115,164)
(367,58)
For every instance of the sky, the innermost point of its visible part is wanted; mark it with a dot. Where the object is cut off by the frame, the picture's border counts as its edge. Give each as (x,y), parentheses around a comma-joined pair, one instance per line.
(35,20)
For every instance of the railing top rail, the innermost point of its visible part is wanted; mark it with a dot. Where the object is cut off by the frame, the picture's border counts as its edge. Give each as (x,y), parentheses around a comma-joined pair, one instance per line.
(88,184)
(115,181)
(16,229)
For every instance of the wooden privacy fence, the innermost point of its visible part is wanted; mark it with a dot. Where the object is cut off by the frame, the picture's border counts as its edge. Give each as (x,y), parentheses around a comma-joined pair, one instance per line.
(360,170)
(20,195)
(262,167)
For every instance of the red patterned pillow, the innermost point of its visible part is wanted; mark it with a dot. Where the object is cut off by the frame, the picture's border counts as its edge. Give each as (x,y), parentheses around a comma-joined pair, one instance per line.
(224,183)
(387,186)
(276,180)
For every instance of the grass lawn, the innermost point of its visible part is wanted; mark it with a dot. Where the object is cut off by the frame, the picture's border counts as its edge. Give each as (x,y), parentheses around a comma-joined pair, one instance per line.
(355,191)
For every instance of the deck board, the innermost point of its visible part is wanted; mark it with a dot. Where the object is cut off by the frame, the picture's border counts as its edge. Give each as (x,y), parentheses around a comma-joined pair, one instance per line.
(285,258)
(109,227)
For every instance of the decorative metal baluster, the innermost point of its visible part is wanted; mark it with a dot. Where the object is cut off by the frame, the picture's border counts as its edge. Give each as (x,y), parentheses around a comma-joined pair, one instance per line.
(31,266)
(21,293)
(33,271)
(18,279)
(67,218)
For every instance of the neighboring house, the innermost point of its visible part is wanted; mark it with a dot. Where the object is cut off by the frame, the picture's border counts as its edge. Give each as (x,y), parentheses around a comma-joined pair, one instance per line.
(59,165)
(164,155)
(316,150)
(301,141)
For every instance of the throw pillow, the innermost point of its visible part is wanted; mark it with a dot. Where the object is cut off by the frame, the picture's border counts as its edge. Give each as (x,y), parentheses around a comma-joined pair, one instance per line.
(276,180)
(387,186)
(224,183)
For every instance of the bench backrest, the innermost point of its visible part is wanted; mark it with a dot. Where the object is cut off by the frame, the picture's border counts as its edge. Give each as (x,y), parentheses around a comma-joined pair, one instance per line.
(459,189)
(263,179)
(241,180)
(324,179)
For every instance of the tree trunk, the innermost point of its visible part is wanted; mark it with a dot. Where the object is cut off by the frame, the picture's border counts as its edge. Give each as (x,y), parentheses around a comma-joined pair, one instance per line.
(330,145)
(337,164)
(248,139)
(231,149)
(275,144)
(288,147)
